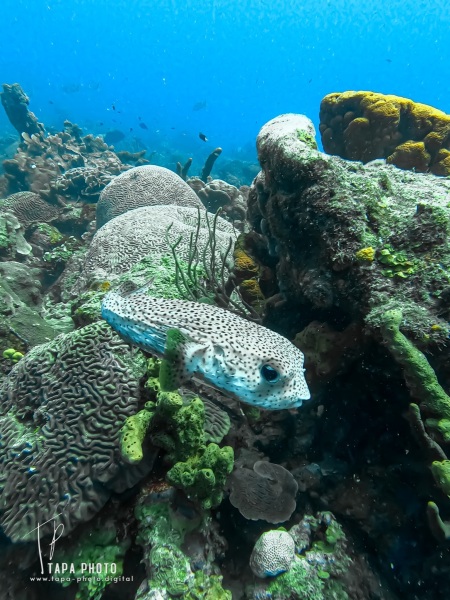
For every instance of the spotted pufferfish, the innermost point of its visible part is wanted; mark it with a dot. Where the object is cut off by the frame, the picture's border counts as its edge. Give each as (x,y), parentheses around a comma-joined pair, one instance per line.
(240,358)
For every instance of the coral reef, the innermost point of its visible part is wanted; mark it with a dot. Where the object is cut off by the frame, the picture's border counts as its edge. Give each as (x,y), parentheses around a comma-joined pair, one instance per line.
(266,492)
(272,554)
(29,208)
(218,194)
(12,242)
(147,231)
(362,265)
(209,163)
(366,126)
(15,102)
(148,185)
(62,408)
(179,550)
(350,261)
(40,163)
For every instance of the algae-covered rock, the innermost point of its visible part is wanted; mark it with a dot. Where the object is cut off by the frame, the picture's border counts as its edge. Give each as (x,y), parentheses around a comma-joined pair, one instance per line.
(169,570)
(353,239)
(20,323)
(309,561)
(12,242)
(96,546)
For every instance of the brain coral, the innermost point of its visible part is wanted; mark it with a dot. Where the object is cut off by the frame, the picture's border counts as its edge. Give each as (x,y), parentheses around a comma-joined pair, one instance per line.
(128,238)
(267,492)
(143,186)
(61,410)
(366,125)
(273,553)
(29,208)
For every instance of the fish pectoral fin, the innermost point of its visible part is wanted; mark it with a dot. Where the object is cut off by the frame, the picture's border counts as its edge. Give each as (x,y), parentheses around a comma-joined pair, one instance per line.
(173,372)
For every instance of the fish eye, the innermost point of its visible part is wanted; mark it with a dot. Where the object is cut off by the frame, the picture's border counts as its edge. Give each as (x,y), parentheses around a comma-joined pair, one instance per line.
(270,374)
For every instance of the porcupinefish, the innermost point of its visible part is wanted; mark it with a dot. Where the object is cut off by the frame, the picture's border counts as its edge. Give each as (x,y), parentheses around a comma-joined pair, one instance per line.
(240,358)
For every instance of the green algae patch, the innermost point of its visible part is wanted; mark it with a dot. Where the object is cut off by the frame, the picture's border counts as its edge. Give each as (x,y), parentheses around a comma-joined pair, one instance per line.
(87,308)
(441,474)
(53,234)
(170,569)
(95,546)
(62,252)
(161,536)
(419,375)
(300,581)
(12,355)
(396,264)
(207,587)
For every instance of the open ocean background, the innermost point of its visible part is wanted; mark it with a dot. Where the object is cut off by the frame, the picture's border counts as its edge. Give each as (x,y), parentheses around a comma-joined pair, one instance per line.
(113,64)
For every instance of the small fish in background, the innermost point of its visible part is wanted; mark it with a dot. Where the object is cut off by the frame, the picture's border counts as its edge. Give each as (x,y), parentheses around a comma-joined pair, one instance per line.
(203,137)
(92,85)
(199,106)
(114,136)
(113,107)
(50,102)
(142,125)
(71,88)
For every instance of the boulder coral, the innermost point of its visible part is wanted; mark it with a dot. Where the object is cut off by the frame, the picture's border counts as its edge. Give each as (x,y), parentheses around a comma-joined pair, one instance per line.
(366,125)
(150,230)
(148,185)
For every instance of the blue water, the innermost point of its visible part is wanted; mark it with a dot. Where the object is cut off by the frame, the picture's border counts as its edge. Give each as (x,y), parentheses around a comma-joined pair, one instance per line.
(105,63)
